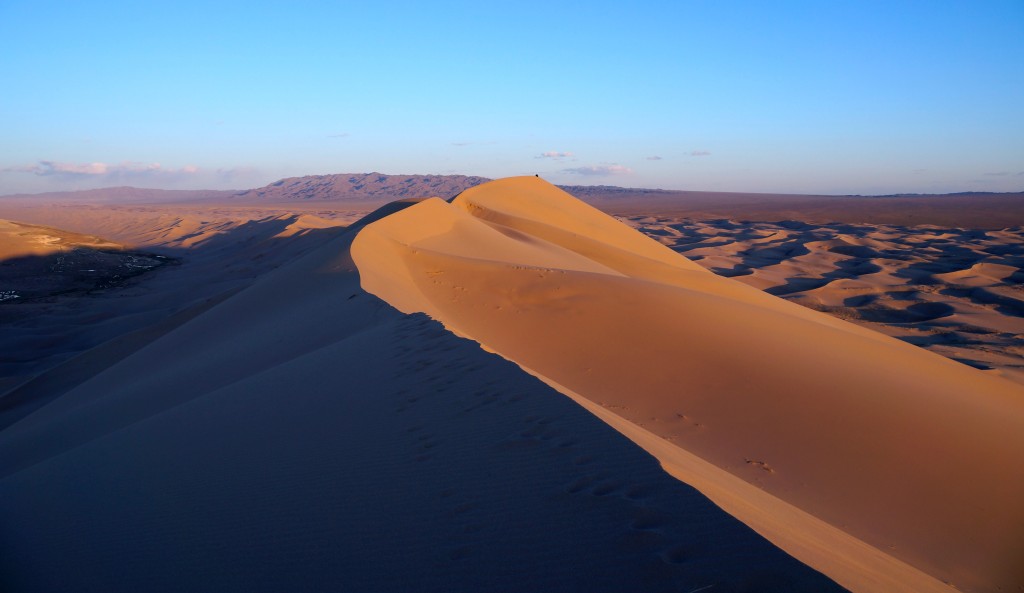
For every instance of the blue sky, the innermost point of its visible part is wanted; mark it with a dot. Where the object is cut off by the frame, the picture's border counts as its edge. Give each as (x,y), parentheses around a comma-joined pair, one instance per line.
(810,97)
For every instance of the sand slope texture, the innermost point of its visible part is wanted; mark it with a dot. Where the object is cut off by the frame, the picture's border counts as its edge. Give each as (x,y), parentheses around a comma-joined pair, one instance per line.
(885,466)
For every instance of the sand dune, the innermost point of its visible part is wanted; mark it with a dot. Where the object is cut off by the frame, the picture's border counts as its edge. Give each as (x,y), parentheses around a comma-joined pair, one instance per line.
(251,419)
(20,240)
(884,465)
(298,434)
(178,226)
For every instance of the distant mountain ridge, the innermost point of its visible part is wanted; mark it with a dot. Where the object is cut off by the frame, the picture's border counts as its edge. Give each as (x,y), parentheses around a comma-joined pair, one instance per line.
(339,187)
(360,187)
(988,210)
(380,188)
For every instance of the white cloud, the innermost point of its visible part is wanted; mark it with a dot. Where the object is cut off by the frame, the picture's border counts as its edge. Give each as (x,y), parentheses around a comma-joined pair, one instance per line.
(654,158)
(554,155)
(700,153)
(58,176)
(97,170)
(341,135)
(233,172)
(599,170)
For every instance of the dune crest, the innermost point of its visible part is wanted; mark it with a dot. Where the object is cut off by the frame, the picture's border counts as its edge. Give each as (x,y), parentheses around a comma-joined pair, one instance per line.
(884,466)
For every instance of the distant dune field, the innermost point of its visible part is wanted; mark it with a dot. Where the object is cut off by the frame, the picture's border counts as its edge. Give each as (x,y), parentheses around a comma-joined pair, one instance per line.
(957,292)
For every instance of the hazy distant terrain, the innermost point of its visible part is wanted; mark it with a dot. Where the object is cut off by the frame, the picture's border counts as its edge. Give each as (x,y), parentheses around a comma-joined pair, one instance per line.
(118,195)
(370,190)
(963,210)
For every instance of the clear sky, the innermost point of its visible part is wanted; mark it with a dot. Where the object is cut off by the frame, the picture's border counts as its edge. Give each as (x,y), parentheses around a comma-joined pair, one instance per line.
(811,97)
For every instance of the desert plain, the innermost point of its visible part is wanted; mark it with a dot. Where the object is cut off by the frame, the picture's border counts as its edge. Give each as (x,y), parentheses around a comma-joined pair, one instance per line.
(377,383)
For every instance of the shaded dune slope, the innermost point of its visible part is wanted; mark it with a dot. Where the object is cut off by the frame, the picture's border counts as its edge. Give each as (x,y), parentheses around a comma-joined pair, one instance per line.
(301,435)
(883,465)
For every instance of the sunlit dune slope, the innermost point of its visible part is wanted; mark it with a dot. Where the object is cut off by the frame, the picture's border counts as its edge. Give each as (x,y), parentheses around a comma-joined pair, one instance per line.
(885,466)
(22,240)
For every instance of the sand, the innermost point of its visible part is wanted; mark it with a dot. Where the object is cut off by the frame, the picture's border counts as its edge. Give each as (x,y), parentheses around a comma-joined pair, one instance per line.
(246,417)
(82,290)
(882,464)
(956,292)
(300,434)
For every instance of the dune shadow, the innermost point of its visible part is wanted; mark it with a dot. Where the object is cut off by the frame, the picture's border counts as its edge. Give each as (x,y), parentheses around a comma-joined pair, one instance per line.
(793,285)
(947,256)
(861,300)
(684,246)
(917,313)
(774,253)
(928,311)
(77,270)
(983,296)
(736,270)
(56,308)
(974,363)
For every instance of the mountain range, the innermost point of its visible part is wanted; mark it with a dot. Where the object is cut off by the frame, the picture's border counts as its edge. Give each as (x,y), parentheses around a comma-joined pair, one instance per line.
(371,190)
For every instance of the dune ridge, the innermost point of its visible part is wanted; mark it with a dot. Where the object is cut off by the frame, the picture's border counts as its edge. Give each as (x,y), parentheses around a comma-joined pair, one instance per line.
(885,466)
